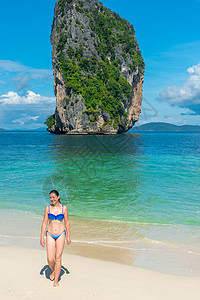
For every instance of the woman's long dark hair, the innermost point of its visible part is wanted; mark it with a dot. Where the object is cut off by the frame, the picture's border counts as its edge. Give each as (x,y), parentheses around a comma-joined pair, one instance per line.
(56,193)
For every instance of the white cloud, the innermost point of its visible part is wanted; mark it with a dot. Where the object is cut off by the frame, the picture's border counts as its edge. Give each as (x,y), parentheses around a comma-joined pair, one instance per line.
(21,81)
(17,67)
(24,119)
(12,98)
(187,95)
(168,113)
(2,81)
(21,75)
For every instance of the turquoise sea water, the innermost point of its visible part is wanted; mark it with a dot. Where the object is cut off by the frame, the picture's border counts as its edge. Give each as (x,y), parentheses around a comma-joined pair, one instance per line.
(137,191)
(136,177)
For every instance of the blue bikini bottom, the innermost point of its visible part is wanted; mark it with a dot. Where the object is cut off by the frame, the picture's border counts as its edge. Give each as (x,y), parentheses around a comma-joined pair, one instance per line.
(56,236)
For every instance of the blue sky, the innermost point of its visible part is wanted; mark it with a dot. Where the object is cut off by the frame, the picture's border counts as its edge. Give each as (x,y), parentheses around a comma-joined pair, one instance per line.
(168,36)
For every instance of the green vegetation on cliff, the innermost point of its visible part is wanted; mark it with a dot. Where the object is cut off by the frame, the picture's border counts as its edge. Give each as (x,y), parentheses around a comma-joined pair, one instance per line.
(97,52)
(105,90)
(50,121)
(111,29)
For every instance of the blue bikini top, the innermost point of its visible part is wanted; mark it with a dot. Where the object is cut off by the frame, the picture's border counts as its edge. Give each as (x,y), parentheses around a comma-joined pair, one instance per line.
(59,217)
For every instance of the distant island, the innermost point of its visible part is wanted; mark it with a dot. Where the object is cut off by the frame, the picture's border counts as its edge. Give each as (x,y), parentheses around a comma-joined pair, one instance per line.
(153,126)
(161,126)
(41,129)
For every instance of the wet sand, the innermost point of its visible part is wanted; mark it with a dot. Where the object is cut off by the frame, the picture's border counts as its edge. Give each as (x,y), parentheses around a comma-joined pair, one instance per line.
(104,240)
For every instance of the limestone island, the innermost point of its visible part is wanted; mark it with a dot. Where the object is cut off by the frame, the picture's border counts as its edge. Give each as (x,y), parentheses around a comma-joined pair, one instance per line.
(98,70)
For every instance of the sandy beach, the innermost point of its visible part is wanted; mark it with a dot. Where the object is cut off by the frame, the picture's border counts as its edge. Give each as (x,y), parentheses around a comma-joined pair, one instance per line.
(24,275)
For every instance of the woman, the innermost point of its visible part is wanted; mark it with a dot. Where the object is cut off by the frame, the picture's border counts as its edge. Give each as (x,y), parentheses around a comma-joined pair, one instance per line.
(55,234)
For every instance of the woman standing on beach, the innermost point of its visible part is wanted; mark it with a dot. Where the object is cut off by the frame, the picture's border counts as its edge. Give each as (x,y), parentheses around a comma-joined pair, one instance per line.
(55,234)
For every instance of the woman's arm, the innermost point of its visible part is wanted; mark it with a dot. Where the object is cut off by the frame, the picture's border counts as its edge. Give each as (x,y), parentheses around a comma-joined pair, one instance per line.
(44,226)
(66,218)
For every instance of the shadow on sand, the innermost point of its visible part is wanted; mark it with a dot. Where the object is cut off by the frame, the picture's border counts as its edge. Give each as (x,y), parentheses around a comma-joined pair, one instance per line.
(47,271)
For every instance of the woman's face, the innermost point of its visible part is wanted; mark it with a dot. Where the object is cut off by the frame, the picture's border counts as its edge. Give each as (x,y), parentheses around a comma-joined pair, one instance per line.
(54,198)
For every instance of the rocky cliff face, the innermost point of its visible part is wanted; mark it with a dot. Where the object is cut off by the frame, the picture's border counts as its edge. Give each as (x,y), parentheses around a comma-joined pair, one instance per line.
(98,70)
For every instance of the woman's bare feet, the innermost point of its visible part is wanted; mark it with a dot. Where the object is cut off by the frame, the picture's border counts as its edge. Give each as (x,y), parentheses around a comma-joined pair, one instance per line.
(55,284)
(52,275)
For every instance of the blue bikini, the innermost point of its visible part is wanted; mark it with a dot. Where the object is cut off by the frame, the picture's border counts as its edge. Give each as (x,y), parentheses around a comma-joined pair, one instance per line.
(58,217)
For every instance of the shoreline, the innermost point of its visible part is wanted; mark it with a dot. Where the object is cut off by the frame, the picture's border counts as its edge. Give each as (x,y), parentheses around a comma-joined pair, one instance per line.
(23,230)
(87,278)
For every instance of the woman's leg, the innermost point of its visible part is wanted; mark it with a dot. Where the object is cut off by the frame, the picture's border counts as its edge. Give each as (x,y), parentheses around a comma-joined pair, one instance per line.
(59,249)
(51,243)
